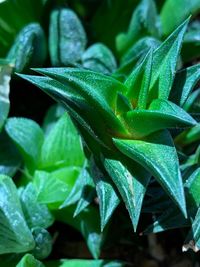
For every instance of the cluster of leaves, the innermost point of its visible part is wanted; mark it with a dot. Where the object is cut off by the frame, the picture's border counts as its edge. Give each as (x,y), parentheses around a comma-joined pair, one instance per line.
(139,124)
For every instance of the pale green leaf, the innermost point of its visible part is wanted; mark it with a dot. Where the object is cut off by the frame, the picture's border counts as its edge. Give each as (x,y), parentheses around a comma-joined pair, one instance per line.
(177,11)
(99,58)
(62,146)
(67,38)
(36,214)
(28,137)
(15,234)
(28,260)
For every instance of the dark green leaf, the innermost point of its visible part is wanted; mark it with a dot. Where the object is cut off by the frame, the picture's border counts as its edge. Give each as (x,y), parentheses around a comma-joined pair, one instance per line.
(185,81)
(131,183)
(107,196)
(164,65)
(158,155)
(87,222)
(193,238)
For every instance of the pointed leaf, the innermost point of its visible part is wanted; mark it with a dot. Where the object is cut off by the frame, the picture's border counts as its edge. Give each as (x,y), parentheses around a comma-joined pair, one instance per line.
(189,136)
(131,183)
(165,60)
(160,115)
(108,198)
(158,155)
(76,192)
(15,234)
(138,83)
(87,195)
(97,89)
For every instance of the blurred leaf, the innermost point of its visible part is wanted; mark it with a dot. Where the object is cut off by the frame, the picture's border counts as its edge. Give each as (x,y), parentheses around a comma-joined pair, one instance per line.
(29,48)
(43,243)
(188,136)
(193,238)
(191,44)
(111,11)
(5,73)
(10,159)
(144,21)
(191,101)
(131,183)
(87,222)
(62,146)
(51,117)
(158,155)
(172,218)
(28,260)
(185,81)
(28,137)
(67,38)
(99,58)
(15,234)
(84,263)
(177,11)
(36,214)
(14,17)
